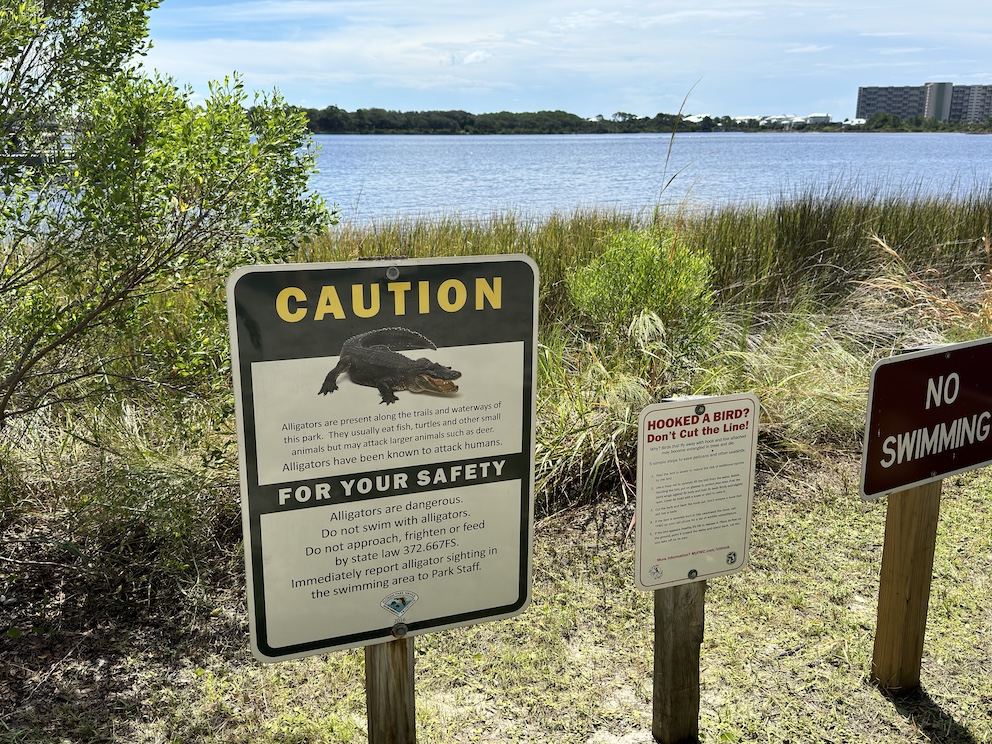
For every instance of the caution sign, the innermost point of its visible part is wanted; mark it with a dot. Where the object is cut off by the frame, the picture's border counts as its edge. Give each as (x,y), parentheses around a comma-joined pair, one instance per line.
(929,416)
(386,432)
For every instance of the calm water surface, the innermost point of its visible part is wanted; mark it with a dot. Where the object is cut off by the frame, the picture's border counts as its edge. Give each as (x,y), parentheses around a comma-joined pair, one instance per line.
(372,177)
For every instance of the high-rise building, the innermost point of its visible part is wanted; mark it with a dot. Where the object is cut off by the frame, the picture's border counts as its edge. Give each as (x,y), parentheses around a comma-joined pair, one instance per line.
(904,101)
(971,103)
(937,101)
(941,101)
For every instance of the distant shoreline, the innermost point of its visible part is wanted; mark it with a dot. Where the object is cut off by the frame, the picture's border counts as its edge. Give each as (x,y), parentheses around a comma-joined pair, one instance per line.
(332,120)
(715,132)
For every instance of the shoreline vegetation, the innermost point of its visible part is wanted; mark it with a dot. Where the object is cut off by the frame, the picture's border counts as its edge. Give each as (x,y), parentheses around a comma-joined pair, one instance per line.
(122,605)
(333,120)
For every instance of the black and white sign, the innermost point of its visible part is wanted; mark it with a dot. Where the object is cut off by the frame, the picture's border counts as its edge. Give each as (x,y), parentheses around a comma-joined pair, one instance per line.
(386,428)
(929,416)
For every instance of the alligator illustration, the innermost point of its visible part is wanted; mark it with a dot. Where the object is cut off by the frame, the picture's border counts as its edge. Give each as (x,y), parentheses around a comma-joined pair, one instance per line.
(372,359)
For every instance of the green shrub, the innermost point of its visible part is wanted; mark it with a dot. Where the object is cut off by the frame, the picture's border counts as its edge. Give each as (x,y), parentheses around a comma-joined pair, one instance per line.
(648,272)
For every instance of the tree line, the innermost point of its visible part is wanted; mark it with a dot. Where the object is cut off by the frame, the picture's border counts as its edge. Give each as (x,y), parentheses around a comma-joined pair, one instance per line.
(334,120)
(884,122)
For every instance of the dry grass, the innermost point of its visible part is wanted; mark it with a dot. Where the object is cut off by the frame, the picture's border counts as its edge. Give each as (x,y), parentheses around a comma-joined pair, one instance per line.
(786,653)
(933,298)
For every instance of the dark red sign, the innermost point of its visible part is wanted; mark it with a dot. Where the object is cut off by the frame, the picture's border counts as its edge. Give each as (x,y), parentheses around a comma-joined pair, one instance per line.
(929,416)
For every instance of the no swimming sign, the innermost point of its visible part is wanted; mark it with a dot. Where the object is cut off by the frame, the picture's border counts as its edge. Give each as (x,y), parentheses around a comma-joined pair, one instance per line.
(929,416)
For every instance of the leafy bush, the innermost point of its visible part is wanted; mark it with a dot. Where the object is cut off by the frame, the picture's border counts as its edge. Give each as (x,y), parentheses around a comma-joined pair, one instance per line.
(648,272)
(649,299)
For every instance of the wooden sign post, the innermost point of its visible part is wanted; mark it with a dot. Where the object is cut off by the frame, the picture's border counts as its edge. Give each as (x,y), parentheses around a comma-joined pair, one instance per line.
(389,691)
(679,614)
(929,416)
(904,587)
(695,488)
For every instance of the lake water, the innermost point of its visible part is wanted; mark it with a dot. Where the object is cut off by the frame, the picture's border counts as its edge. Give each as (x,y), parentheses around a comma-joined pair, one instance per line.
(373,177)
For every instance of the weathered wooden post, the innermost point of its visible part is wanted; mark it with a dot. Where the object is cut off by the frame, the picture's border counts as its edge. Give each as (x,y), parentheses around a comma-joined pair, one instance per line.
(695,488)
(679,614)
(904,586)
(389,691)
(929,416)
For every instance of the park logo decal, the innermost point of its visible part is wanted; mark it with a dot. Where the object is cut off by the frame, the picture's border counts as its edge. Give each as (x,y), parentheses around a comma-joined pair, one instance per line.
(399,602)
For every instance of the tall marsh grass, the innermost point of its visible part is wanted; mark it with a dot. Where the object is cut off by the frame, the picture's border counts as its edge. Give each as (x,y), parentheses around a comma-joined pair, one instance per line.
(557,243)
(817,244)
(764,298)
(932,296)
(793,300)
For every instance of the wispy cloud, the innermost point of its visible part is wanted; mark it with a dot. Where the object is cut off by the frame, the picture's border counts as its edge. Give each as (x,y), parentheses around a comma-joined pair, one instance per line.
(807,49)
(476,57)
(902,50)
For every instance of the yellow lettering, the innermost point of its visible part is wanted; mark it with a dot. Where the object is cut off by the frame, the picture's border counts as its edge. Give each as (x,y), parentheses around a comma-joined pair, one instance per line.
(424,289)
(493,293)
(399,290)
(451,296)
(444,295)
(282,304)
(329,303)
(358,300)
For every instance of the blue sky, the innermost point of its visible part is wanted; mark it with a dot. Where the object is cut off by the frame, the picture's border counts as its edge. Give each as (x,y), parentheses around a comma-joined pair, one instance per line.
(737,57)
